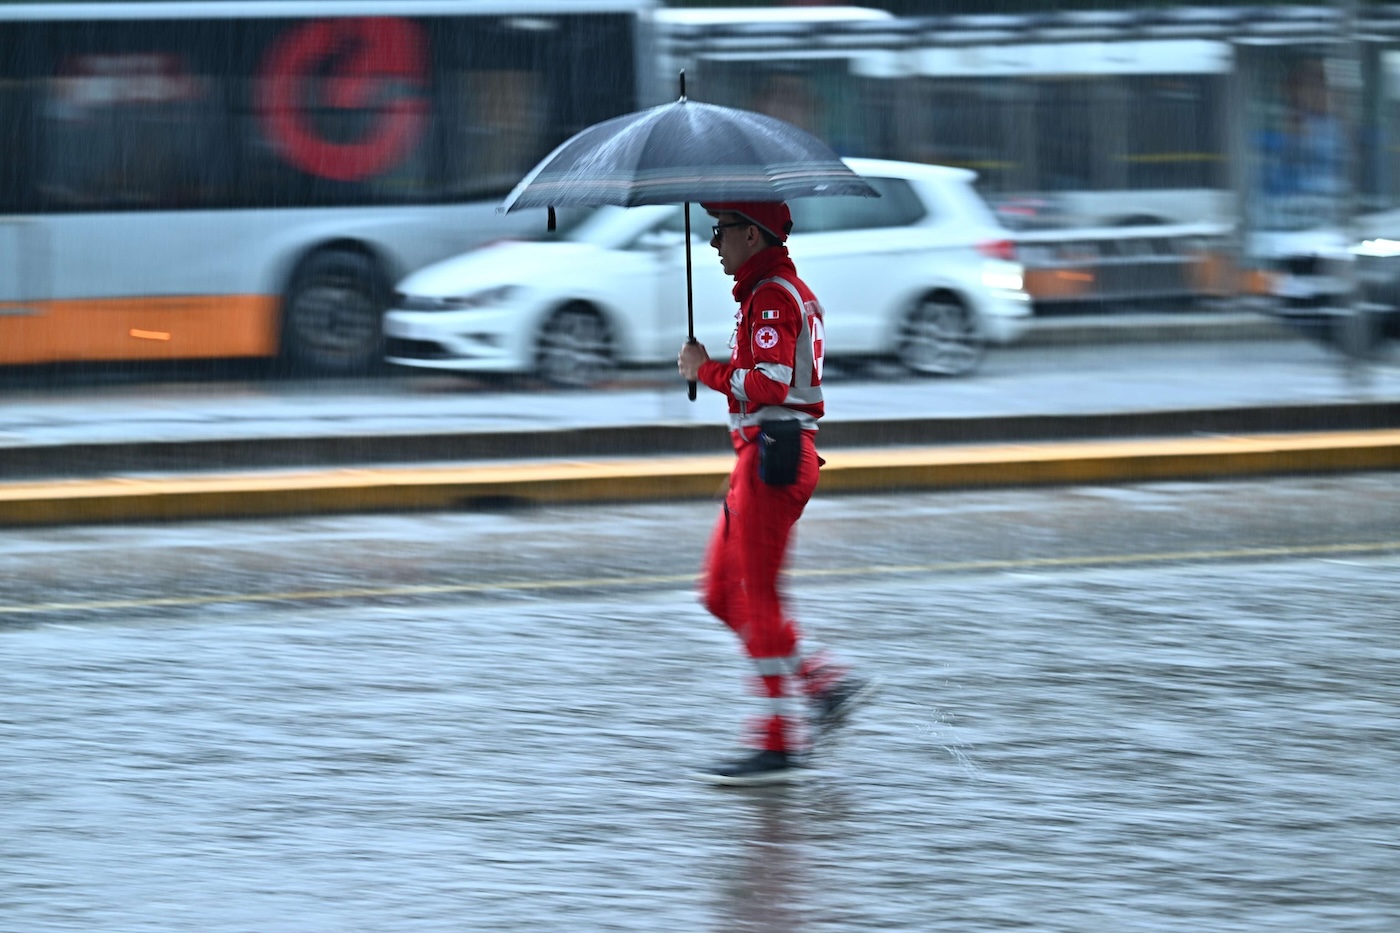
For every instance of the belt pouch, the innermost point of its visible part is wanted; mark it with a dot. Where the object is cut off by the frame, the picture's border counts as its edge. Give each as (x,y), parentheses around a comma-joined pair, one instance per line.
(779,452)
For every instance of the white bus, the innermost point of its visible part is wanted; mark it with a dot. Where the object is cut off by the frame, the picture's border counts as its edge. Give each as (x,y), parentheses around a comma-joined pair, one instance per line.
(191,180)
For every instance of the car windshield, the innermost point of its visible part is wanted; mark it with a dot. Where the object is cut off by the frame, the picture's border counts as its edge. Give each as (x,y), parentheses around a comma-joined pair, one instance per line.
(897,206)
(615,227)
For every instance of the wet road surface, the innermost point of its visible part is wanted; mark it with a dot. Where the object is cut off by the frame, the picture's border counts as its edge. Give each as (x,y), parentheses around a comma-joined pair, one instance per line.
(1165,707)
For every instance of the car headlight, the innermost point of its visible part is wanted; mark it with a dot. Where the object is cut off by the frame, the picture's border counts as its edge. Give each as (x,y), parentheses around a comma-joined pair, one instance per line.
(1379,248)
(482,299)
(1003,276)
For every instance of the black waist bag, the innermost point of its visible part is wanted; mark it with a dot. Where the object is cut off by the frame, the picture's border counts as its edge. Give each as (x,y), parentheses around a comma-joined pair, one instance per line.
(779,452)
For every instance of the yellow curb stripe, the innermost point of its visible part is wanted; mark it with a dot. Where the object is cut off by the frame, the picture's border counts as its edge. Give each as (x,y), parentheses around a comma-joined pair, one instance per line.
(118,499)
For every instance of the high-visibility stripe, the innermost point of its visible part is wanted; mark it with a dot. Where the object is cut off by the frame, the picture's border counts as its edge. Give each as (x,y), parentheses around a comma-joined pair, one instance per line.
(777,372)
(777,667)
(151,328)
(784,706)
(798,377)
(736,385)
(809,395)
(802,379)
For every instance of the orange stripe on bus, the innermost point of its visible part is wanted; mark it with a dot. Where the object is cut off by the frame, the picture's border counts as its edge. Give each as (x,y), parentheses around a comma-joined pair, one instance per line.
(186,327)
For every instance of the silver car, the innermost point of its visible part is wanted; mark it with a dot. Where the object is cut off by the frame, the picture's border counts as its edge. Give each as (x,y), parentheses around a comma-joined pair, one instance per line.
(924,275)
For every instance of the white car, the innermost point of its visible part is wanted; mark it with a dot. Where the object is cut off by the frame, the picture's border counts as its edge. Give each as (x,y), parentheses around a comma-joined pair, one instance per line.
(923,274)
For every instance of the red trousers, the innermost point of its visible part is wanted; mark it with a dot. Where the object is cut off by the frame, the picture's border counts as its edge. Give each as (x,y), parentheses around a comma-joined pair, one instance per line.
(740,585)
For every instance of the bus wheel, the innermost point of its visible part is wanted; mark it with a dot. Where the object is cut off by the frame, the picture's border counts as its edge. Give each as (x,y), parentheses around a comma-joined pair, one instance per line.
(333,316)
(575,348)
(939,336)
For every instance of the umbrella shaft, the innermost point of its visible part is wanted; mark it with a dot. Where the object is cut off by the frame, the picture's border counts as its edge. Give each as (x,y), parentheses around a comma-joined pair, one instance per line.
(689,295)
(689,284)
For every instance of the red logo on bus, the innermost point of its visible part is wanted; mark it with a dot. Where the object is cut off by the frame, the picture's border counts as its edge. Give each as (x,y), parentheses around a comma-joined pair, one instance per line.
(375,66)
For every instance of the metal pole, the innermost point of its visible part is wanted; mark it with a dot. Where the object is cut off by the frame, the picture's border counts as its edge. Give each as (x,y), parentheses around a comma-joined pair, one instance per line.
(1353,331)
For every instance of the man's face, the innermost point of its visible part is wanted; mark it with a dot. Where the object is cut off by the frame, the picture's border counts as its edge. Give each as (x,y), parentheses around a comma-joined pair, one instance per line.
(735,241)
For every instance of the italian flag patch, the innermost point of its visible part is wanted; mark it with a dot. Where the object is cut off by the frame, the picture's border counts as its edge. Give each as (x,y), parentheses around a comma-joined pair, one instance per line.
(770,315)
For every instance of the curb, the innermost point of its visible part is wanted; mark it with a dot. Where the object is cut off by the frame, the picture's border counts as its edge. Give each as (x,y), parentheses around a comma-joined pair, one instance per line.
(53,461)
(218,496)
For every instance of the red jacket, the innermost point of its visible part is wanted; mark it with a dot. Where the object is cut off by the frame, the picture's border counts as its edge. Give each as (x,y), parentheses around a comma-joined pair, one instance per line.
(775,369)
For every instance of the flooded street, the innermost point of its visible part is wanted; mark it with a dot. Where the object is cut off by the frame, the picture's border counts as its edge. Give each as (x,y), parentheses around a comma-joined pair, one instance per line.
(1168,707)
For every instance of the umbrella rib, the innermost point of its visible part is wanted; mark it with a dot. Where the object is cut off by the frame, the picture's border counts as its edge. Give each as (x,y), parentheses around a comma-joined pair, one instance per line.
(543,189)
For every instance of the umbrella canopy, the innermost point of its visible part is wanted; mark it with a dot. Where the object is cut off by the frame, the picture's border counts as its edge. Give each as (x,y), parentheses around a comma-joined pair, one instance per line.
(686,151)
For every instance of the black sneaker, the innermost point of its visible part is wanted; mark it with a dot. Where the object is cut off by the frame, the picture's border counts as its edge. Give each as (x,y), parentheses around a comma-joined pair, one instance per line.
(765,767)
(834,705)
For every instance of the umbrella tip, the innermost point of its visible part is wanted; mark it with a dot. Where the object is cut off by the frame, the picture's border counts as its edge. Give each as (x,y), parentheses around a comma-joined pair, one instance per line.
(682,84)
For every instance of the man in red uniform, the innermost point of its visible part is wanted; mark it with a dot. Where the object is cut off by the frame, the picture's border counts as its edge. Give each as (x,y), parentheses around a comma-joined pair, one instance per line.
(773,382)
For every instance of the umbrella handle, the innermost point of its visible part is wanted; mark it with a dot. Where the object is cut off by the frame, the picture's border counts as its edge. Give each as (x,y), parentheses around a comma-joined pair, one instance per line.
(690,383)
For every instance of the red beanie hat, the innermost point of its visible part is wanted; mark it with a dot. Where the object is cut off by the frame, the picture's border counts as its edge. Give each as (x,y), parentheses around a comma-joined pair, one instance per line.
(772,216)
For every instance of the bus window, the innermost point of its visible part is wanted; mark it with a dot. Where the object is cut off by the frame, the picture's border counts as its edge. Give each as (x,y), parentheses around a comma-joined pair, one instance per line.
(16,118)
(787,97)
(505,101)
(1065,115)
(1296,141)
(1386,150)
(981,124)
(1175,137)
(495,121)
(819,95)
(128,118)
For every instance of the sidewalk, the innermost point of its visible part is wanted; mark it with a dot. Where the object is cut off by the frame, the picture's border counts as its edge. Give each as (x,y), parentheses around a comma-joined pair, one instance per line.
(1048,413)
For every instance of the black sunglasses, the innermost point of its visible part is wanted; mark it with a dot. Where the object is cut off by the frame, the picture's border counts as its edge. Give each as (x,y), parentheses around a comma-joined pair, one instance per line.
(718,229)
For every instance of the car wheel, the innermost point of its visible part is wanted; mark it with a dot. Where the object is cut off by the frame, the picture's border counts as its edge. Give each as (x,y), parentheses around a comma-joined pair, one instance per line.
(575,348)
(333,315)
(940,337)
